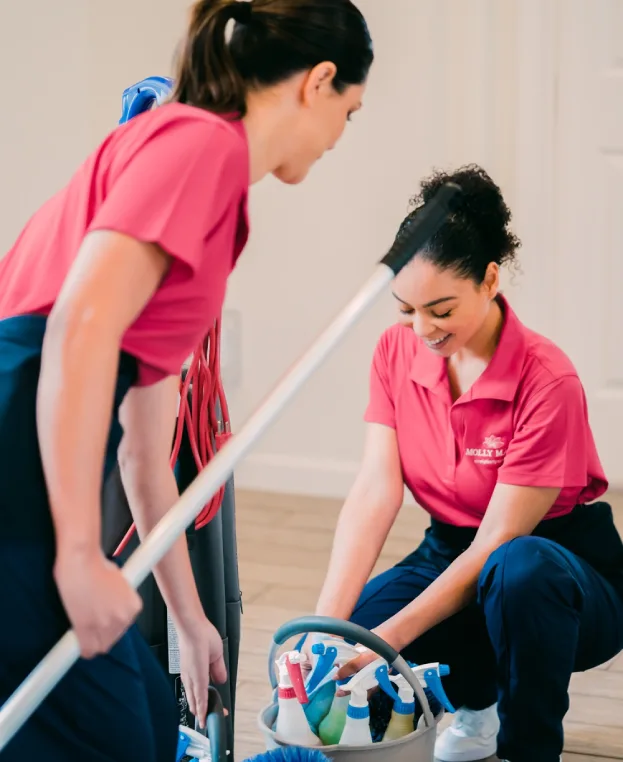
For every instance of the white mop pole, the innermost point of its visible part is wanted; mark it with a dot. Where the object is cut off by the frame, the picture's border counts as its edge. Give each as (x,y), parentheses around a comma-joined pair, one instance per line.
(413,236)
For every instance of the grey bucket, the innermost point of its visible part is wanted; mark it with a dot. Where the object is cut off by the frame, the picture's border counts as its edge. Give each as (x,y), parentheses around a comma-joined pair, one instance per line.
(418,746)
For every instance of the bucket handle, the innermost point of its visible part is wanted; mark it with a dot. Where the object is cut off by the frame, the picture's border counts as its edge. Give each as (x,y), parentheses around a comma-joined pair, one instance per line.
(214,728)
(356,633)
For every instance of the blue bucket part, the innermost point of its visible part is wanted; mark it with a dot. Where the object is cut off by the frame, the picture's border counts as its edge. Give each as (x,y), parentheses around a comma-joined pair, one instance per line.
(142,96)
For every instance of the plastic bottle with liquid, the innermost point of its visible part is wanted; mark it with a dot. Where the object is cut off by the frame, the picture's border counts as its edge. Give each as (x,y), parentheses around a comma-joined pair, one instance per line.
(401,722)
(357,726)
(292,725)
(326,711)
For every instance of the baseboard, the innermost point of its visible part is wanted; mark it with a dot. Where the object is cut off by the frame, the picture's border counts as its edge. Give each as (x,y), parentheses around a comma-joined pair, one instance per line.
(274,472)
(314,477)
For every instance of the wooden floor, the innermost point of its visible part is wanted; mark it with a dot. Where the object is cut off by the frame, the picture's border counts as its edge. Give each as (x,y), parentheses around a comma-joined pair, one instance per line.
(283,546)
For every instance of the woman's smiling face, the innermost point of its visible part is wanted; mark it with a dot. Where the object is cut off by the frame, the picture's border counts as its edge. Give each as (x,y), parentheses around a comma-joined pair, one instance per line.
(445,310)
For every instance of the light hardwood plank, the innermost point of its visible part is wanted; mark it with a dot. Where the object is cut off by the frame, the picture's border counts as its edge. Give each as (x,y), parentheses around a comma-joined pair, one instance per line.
(284,542)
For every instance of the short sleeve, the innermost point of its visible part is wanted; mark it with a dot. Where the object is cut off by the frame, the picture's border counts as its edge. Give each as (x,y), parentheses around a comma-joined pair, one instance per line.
(380,407)
(174,187)
(549,446)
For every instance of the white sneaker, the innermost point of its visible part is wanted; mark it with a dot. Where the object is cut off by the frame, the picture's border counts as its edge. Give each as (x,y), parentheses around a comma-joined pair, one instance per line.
(472,736)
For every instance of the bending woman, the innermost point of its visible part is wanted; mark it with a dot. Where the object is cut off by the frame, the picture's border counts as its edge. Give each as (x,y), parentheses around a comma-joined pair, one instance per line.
(518,582)
(108,289)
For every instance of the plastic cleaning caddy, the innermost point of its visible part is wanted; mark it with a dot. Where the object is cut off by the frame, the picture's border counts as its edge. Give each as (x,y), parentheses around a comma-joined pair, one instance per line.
(418,746)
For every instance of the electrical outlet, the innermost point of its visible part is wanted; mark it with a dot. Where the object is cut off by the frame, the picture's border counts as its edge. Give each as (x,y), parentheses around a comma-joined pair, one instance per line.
(231,348)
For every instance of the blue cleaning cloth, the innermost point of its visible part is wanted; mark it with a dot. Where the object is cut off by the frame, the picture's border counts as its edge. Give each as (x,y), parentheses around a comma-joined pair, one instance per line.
(319,704)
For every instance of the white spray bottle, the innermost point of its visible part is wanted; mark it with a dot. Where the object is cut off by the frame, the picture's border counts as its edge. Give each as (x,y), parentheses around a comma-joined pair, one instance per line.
(292,726)
(357,727)
(331,723)
(403,711)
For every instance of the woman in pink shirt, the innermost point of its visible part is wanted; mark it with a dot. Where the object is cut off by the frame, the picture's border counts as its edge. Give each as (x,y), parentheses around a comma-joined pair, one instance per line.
(518,582)
(109,287)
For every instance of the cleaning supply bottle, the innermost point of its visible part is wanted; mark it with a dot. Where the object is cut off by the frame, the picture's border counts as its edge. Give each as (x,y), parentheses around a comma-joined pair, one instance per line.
(357,726)
(401,722)
(327,658)
(292,726)
(429,676)
(332,726)
(325,708)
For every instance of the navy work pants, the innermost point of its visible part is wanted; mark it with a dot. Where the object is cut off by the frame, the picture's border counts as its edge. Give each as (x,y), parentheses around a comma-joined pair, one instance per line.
(542,612)
(118,707)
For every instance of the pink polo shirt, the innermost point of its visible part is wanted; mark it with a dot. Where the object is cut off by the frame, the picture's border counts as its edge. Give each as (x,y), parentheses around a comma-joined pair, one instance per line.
(523,422)
(177,176)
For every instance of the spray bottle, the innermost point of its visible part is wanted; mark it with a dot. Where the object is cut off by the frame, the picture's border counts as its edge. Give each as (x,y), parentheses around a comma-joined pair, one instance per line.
(332,723)
(292,726)
(429,677)
(403,711)
(357,727)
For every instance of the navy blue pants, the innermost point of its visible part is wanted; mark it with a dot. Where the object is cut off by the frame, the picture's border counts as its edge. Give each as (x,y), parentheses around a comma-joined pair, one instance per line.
(115,708)
(118,707)
(542,612)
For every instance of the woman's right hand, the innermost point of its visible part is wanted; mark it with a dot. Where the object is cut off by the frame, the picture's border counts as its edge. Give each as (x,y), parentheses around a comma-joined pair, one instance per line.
(98,600)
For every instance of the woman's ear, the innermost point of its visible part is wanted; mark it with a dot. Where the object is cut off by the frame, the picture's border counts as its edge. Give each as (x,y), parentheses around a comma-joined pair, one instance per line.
(491,282)
(319,80)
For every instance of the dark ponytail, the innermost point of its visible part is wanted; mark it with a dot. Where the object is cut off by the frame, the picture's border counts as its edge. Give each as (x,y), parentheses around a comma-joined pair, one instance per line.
(271,41)
(477,233)
(207,75)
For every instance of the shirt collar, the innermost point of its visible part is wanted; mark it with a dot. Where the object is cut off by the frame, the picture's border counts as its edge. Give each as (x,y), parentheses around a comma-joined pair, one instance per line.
(500,378)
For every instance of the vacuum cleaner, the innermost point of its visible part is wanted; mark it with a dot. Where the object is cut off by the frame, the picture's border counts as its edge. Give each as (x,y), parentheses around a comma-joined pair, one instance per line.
(202,429)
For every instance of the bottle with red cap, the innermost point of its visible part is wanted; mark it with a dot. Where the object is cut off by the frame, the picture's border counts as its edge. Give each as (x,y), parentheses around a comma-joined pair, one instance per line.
(292,726)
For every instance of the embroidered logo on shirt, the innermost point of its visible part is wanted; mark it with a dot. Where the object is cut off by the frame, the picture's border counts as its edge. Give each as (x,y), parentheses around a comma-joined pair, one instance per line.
(493,442)
(491,453)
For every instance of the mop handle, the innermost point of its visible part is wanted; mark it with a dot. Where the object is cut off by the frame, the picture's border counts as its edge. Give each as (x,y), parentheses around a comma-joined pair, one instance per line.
(412,237)
(355,632)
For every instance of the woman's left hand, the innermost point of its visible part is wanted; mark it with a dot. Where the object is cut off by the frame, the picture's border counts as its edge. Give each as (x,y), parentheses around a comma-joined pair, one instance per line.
(355,665)
(201,658)
(367,656)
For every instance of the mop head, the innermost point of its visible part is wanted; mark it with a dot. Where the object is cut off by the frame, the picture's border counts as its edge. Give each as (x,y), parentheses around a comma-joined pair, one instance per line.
(291,754)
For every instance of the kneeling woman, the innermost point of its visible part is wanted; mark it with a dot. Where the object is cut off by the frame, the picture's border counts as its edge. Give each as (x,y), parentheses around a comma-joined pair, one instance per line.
(518,582)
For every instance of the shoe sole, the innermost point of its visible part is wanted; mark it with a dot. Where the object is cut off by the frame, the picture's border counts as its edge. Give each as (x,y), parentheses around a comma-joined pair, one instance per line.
(467,756)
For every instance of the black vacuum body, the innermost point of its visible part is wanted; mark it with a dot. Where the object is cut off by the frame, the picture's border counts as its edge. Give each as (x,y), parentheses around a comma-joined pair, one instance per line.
(213,555)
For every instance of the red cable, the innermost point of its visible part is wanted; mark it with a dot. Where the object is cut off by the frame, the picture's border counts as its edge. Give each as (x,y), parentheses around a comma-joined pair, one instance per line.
(207,430)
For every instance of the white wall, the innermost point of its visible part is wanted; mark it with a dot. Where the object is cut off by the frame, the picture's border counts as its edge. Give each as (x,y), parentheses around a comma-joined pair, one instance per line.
(449,82)
(64,67)
(43,47)
(454,82)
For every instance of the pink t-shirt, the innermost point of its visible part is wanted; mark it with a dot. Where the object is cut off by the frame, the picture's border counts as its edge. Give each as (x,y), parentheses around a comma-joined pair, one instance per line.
(177,176)
(523,422)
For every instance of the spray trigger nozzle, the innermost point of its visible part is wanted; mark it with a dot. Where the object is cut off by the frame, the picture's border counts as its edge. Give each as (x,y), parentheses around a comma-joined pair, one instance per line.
(385,682)
(290,675)
(324,665)
(363,681)
(429,676)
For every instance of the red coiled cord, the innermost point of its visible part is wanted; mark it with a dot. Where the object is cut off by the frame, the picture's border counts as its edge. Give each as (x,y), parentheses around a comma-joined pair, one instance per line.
(205,418)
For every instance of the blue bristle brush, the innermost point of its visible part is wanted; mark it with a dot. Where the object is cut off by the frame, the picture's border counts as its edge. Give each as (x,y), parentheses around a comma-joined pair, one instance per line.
(291,754)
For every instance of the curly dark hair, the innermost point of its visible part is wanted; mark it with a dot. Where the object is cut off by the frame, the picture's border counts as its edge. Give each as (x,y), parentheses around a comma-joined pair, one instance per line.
(477,232)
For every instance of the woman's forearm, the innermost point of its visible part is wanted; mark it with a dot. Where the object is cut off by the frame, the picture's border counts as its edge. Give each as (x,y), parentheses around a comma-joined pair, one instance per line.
(151,494)
(362,528)
(74,408)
